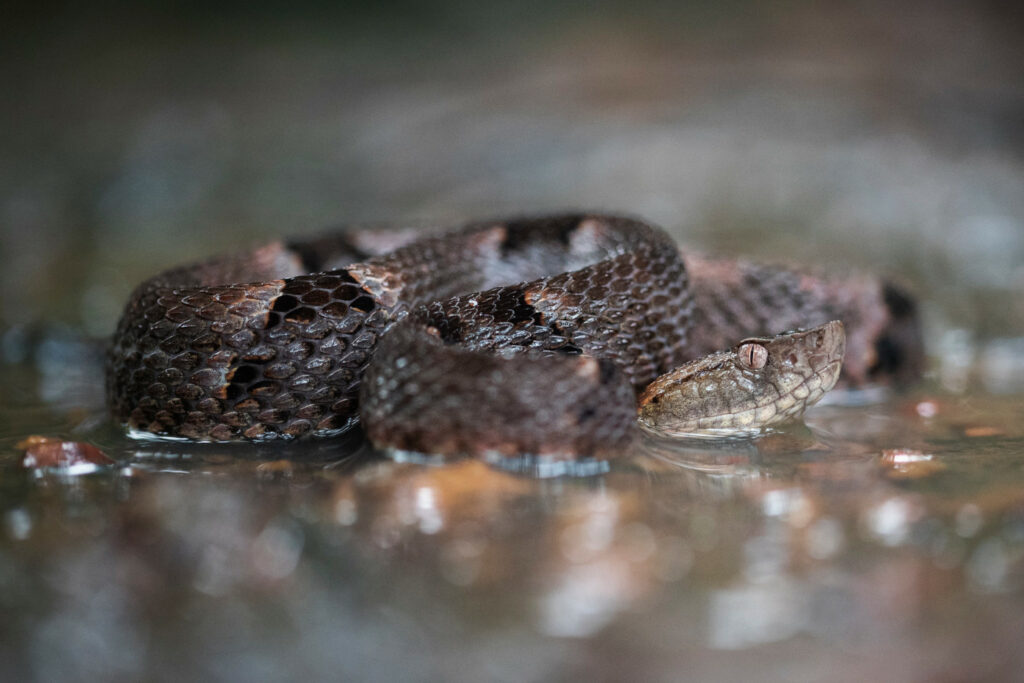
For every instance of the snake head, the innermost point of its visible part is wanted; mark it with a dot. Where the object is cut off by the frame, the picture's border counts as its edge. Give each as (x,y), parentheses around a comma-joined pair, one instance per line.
(759,382)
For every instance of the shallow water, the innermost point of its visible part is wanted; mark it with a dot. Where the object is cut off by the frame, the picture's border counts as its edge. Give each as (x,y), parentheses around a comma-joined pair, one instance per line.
(884,540)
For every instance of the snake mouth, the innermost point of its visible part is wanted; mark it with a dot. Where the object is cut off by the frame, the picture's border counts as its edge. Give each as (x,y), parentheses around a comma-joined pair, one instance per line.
(826,378)
(830,373)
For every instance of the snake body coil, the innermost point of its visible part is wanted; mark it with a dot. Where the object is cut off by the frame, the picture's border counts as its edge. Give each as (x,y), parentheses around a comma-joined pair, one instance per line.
(458,357)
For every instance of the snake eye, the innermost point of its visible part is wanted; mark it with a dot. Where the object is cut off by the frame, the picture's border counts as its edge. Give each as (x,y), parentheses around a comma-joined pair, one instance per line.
(754,356)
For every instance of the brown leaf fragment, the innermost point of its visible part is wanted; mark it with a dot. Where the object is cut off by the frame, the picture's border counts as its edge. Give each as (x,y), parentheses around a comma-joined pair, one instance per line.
(42,452)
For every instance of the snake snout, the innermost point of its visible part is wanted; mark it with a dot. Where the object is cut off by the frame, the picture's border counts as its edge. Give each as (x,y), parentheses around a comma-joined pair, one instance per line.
(827,344)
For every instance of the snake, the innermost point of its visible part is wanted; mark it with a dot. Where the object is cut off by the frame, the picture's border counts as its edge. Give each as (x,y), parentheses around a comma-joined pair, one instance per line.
(554,336)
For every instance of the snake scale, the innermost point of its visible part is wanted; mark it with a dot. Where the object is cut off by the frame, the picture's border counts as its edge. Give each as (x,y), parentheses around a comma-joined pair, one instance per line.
(503,337)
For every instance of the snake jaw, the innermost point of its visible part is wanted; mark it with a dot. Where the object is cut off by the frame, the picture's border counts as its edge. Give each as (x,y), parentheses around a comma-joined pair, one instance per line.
(745,389)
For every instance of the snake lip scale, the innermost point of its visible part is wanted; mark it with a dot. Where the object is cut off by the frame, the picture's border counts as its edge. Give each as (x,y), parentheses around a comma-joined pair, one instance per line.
(495,339)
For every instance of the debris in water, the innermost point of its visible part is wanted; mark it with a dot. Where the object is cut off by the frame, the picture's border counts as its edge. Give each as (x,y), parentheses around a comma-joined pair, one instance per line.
(74,457)
(975,432)
(905,463)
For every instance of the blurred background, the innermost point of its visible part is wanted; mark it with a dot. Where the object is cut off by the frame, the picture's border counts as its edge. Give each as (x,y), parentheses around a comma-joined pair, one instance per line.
(138,135)
(885,544)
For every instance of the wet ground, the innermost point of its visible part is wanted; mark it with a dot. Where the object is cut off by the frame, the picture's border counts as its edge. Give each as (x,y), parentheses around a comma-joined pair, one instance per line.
(882,540)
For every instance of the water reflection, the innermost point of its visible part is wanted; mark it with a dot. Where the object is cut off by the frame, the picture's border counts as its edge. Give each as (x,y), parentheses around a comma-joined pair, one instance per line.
(814,532)
(881,514)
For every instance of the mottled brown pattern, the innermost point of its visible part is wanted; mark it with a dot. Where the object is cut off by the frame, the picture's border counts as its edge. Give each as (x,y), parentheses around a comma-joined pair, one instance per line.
(738,298)
(423,395)
(196,356)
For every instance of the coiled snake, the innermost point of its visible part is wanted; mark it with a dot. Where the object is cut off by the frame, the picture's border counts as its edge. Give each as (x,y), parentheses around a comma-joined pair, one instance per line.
(499,338)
